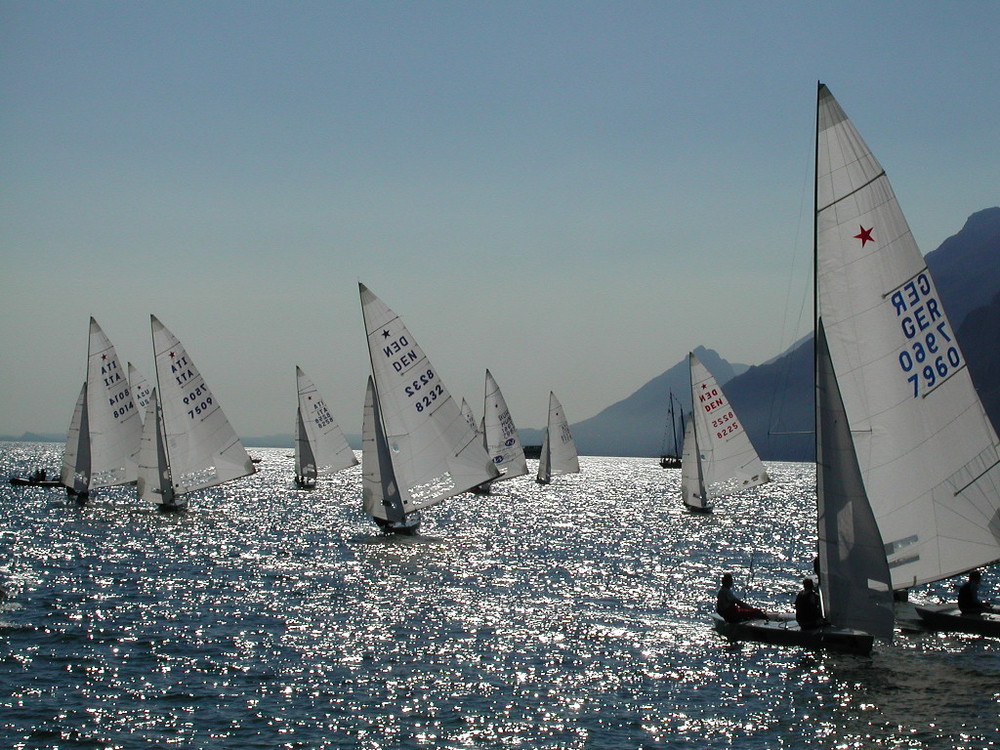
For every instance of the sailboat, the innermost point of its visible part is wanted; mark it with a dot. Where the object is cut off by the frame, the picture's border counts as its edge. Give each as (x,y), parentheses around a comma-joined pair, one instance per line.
(500,435)
(103,441)
(671,460)
(928,454)
(722,460)
(558,454)
(188,443)
(855,579)
(320,444)
(431,452)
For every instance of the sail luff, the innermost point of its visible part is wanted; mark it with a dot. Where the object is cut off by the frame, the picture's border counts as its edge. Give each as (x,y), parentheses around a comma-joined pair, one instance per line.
(928,454)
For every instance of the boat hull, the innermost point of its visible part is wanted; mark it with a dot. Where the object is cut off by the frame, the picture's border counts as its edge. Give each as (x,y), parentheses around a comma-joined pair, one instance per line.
(25,482)
(786,632)
(948,617)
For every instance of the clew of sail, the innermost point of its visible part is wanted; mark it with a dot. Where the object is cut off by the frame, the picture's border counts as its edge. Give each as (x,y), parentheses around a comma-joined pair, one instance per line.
(928,455)
(435,453)
(200,443)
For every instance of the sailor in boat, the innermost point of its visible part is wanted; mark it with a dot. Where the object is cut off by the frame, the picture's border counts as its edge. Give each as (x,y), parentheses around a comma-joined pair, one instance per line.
(968,596)
(732,608)
(808,610)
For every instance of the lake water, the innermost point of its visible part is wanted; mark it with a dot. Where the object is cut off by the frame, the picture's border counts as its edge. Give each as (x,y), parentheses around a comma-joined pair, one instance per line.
(573,615)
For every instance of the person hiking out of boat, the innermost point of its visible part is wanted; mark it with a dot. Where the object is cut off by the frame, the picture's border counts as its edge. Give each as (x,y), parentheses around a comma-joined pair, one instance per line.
(808,611)
(732,608)
(968,596)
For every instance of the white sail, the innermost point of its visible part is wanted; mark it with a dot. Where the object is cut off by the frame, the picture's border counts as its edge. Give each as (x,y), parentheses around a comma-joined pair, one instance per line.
(558,448)
(381,495)
(435,453)
(502,442)
(469,416)
(305,461)
(75,473)
(153,483)
(854,573)
(928,455)
(201,446)
(693,491)
(728,459)
(325,440)
(140,389)
(115,424)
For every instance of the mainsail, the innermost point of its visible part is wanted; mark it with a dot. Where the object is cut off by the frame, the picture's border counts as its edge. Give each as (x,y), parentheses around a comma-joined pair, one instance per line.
(502,441)
(115,423)
(928,455)
(558,454)
(201,446)
(435,453)
(728,459)
(320,443)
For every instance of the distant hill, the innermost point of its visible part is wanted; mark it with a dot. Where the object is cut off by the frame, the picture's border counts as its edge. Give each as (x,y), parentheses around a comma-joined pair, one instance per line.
(775,400)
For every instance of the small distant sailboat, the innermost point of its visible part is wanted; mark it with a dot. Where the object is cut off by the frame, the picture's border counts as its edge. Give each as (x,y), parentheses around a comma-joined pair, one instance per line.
(719,458)
(855,580)
(500,435)
(672,459)
(558,454)
(320,445)
(431,452)
(929,457)
(102,446)
(188,443)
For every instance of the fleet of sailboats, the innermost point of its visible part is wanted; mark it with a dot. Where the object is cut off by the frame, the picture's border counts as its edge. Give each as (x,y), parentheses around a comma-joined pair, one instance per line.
(718,457)
(908,463)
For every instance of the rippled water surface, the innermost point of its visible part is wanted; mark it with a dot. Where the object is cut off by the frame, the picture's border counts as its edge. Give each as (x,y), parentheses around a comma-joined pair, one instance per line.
(573,615)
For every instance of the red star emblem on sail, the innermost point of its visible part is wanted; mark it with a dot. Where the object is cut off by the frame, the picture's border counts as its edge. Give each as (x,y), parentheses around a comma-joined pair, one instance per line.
(865,236)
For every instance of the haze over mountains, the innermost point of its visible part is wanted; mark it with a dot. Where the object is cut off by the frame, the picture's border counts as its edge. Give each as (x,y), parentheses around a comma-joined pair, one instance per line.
(774,400)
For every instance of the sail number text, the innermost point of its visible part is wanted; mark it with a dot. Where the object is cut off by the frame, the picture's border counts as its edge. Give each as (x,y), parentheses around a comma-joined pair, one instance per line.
(931,353)
(425,390)
(198,401)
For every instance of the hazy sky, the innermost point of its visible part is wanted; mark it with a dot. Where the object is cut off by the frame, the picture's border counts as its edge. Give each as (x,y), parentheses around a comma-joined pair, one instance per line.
(572,194)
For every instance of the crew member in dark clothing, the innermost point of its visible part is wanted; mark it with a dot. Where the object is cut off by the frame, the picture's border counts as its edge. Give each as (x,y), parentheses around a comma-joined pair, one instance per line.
(732,608)
(968,596)
(808,610)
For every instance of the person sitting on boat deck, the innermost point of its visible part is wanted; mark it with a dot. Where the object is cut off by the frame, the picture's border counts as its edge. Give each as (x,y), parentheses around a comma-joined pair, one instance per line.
(968,596)
(808,610)
(731,607)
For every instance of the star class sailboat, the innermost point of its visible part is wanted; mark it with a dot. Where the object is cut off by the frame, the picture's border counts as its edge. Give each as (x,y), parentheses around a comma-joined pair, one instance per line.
(718,457)
(320,445)
(188,443)
(500,436)
(102,445)
(928,455)
(419,449)
(558,454)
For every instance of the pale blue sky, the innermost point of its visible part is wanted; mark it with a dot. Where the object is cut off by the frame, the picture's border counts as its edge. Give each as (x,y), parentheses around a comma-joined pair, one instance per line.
(572,194)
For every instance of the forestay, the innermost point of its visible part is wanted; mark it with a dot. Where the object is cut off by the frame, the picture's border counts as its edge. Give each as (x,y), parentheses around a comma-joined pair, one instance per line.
(928,455)
(435,453)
